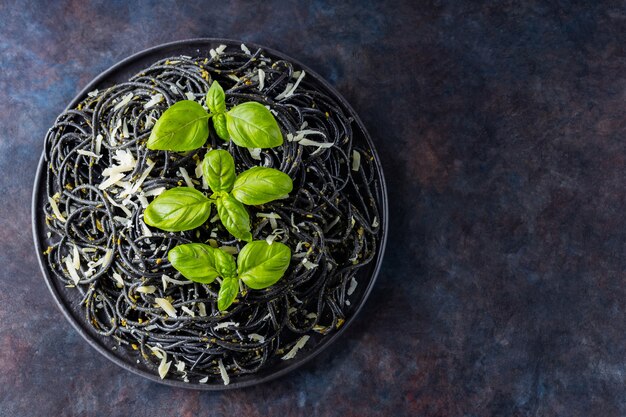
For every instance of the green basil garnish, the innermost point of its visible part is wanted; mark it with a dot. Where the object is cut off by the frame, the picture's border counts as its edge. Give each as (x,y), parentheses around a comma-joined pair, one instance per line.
(218,168)
(219,123)
(216,99)
(178,209)
(261,264)
(252,125)
(182,127)
(195,261)
(234,217)
(228,292)
(225,264)
(260,185)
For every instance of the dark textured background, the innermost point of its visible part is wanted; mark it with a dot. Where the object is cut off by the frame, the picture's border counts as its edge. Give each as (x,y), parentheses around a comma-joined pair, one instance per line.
(501,128)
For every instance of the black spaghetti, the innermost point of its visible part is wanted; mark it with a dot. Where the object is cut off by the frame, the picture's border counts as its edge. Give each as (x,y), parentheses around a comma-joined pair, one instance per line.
(100,178)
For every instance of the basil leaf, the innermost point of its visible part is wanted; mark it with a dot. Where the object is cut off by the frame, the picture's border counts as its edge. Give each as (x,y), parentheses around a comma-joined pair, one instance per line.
(178,209)
(219,123)
(216,99)
(218,168)
(261,264)
(195,261)
(225,264)
(252,125)
(182,127)
(234,217)
(228,292)
(260,185)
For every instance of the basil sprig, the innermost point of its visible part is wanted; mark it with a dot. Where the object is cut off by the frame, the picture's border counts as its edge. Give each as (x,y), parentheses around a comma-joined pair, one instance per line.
(184,126)
(185,208)
(259,265)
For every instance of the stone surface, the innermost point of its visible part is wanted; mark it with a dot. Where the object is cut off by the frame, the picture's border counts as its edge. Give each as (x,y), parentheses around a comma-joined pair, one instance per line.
(501,129)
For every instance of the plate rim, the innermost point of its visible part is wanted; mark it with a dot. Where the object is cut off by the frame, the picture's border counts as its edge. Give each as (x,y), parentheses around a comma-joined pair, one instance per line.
(318,349)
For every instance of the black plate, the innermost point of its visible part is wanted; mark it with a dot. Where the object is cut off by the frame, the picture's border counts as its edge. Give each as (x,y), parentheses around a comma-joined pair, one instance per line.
(67,300)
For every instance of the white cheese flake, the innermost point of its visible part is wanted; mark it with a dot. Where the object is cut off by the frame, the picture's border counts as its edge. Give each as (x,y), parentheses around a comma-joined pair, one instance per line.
(320,145)
(154,100)
(225,324)
(284,93)
(204,380)
(272,217)
(125,133)
(261,79)
(290,90)
(55,210)
(183,173)
(166,306)
(75,257)
(356,160)
(143,177)
(143,200)
(71,270)
(88,153)
(375,222)
(223,372)
(165,279)
(256,337)
(255,153)
(148,289)
(201,309)
(190,96)
(93,93)
(124,221)
(98,144)
(308,264)
(125,100)
(154,192)
(245,49)
(353,285)
(113,179)
(188,311)
(150,120)
(119,281)
(294,350)
(120,206)
(164,366)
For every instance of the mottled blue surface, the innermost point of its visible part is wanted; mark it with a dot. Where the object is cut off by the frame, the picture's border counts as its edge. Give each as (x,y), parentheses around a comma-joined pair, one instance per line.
(502,132)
